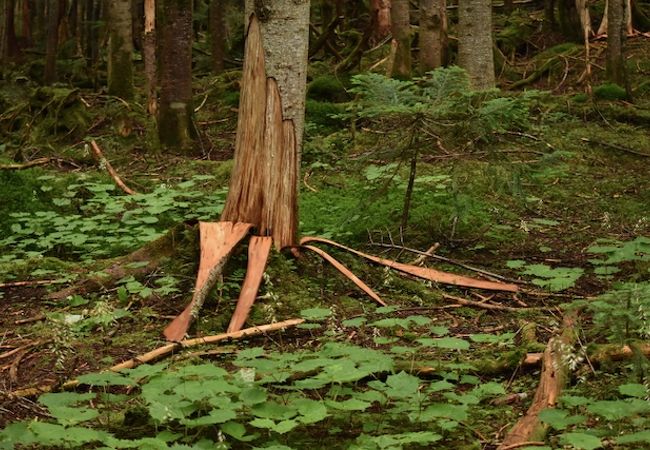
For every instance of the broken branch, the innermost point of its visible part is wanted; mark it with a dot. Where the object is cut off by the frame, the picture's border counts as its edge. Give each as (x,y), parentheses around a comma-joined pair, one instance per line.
(103,162)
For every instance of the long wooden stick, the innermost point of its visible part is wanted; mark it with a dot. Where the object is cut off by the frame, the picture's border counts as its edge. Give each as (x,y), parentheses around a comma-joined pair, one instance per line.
(346,272)
(490,306)
(27,165)
(103,162)
(163,351)
(422,272)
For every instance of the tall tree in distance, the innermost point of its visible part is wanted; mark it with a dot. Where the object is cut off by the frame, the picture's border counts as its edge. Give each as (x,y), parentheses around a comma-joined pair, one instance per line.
(400,61)
(149,55)
(51,40)
(10,44)
(217,25)
(616,36)
(120,49)
(475,53)
(433,34)
(175,48)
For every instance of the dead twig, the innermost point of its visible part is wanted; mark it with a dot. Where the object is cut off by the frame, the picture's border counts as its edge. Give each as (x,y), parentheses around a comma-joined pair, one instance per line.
(490,306)
(161,352)
(27,165)
(12,284)
(103,162)
(616,147)
(30,320)
(523,444)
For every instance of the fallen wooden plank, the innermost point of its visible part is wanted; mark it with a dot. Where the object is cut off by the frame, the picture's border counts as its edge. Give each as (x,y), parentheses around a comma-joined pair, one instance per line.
(422,272)
(217,242)
(345,271)
(258,255)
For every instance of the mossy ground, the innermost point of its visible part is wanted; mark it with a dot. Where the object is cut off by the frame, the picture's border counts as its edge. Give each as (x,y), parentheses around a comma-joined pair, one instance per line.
(543,196)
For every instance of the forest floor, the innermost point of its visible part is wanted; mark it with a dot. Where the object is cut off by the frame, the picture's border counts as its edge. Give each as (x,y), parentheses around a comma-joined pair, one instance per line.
(555,196)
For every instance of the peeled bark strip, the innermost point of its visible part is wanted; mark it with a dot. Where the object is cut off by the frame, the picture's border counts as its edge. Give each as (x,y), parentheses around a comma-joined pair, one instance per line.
(475,53)
(258,254)
(345,271)
(552,380)
(422,272)
(244,202)
(217,243)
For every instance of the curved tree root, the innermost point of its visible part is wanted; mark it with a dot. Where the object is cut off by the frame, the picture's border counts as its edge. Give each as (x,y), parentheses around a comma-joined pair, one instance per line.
(150,255)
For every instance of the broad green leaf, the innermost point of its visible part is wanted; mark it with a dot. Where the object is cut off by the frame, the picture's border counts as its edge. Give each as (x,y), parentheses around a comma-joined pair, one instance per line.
(581,441)
(633,390)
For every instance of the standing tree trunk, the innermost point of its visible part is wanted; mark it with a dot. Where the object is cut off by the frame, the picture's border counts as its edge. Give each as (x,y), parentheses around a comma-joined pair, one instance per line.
(52,41)
(549,23)
(175,47)
(26,32)
(400,66)
(381,19)
(616,36)
(120,49)
(569,20)
(149,55)
(284,26)
(475,53)
(433,34)
(11,43)
(218,34)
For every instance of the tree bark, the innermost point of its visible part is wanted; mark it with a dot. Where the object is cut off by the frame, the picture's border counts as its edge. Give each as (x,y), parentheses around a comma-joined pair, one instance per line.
(569,20)
(120,49)
(284,26)
(433,34)
(175,46)
(381,19)
(52,41)
(401,27)
(11,43)
(26,32)
(149,55)
(218,34)
(616,36)
(475,53)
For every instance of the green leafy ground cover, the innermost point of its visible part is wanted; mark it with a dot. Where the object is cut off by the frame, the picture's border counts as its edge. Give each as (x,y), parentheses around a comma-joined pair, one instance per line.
(503,181)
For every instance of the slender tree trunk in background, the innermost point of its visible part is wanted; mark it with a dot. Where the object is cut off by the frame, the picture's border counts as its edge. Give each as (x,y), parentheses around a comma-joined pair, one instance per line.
(11,43)
(285,37)
(92,33)
(175,50)
(433,34)
(475,53)
(549,23)
(401,27)
(602,29)
(120,49)
(218,34)
(137,21)
(149,55)
(616,37)
(52,41)
(381,19)
(585,19)
(569,20)
(26,32)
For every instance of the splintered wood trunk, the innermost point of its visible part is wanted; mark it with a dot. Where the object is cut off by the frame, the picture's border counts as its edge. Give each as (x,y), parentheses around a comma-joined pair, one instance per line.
(263,188)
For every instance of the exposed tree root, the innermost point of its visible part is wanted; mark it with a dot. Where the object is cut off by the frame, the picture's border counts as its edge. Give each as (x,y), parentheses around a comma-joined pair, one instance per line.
(117,268)
(553,380)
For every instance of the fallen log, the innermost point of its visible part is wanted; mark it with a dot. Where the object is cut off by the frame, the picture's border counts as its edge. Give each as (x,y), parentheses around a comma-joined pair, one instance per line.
(553,379)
